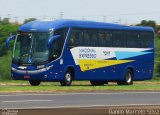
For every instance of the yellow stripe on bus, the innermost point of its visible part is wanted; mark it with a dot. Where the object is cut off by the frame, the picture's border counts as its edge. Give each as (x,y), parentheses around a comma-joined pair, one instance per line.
(93,64)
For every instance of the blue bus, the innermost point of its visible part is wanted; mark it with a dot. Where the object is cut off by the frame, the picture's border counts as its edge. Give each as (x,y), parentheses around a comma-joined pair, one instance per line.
(67,50)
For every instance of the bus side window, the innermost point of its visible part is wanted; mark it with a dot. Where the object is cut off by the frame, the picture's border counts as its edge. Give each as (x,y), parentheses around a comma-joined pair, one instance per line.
(57,45)
(76,38)
(105,39)
(86,38)
(119,39)
(146,39)
(109,40)
(80,40)
(94,39)
(72,39)
(102,39)
(90,38)
(133,40)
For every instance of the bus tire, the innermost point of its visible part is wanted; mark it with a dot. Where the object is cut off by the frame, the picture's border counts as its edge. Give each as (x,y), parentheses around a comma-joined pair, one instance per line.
(97,83)
(34,83)
(128,78)
(67,79)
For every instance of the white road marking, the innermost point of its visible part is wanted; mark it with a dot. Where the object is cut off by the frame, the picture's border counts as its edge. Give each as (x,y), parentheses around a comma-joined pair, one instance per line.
(19,101)
(76,106)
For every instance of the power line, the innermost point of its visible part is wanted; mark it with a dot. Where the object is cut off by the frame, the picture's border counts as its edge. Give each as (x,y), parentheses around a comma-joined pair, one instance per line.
(107,17)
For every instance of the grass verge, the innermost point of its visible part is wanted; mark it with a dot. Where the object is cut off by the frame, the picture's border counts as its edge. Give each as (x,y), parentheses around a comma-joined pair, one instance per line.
(82,86)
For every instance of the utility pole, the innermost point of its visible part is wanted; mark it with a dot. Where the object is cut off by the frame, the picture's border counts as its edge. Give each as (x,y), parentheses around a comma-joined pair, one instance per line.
(16,19)
(83,18)
(61,15)
(104,18)
(120,20)
(9,16)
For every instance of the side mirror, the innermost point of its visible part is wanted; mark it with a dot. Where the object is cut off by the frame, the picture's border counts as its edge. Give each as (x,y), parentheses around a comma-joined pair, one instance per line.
(51,39)
(9,39)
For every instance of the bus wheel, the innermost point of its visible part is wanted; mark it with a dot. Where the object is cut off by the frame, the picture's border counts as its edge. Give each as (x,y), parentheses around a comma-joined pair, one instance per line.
(128,78)
(34,83)
(97,83)
(67,80)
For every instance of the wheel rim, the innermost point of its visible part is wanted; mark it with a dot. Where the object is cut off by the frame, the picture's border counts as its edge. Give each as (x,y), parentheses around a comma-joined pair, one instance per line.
(128,77)
(68,77)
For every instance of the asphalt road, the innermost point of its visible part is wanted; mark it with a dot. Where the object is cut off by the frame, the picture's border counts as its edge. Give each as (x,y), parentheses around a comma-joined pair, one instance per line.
(67,100)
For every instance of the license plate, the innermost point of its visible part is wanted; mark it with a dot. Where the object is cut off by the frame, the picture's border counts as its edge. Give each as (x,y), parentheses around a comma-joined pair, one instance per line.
(26,77)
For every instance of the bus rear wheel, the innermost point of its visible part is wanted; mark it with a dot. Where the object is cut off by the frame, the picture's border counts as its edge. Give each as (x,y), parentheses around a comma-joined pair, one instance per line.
(67,79)
(98,83)
(128,78)
(34,83)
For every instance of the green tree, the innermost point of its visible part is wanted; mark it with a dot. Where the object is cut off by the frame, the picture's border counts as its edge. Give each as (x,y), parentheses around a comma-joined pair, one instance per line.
(143,22)
(152,23)
(29,20)
(5,21)
(0,20)
(5,31)
(149,23)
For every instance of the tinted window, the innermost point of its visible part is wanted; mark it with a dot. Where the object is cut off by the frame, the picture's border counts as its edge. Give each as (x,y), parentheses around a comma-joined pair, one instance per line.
(146,39)
(105,38)
(133,40)
(83,37)
(57,46)
(110,38)
(76,38)
(118,38)
(139,39)
(90,38)
(87,38)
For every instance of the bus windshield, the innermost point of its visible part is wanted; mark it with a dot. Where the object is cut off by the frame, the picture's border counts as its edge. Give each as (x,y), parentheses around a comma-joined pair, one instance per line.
(31,48)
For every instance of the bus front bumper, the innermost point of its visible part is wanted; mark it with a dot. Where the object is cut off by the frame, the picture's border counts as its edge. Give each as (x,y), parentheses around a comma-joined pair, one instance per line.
(45,74)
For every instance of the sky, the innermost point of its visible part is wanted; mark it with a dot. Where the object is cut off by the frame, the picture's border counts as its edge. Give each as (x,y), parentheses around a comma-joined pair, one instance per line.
(117,11)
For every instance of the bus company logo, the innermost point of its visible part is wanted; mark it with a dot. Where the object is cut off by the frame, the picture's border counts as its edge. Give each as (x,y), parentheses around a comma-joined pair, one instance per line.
(106,53)
(87,53)
(30,61)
